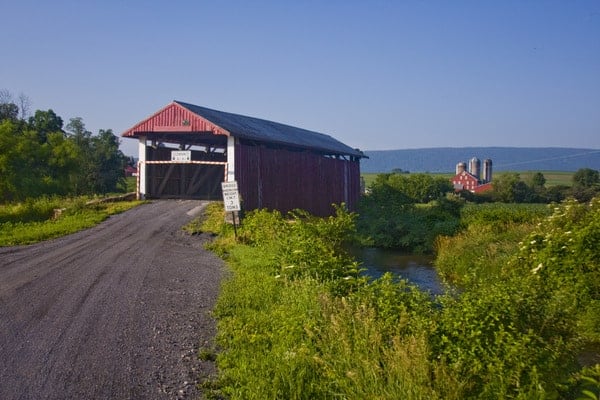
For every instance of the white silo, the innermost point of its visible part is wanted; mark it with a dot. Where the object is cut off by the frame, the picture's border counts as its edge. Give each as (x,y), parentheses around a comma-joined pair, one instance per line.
(475,166)
(487,170)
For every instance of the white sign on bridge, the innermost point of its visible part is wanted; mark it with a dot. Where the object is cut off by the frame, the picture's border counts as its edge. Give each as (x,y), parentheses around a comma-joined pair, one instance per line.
(231,197)
(181,155)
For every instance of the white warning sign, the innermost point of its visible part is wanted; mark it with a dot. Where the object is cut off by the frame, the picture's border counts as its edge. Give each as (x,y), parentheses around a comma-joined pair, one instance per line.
(231,197)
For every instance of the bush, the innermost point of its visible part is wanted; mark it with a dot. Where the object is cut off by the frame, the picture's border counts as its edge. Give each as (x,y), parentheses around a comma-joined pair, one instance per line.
(408,212)
(410,227)
(304,246)
(528,307)
(518,327)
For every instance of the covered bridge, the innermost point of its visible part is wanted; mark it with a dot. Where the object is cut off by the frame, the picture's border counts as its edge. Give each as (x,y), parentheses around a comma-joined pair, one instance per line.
(186,151)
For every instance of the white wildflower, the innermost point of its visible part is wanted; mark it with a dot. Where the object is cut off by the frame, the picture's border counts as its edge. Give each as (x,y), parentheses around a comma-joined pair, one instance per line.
(536,269)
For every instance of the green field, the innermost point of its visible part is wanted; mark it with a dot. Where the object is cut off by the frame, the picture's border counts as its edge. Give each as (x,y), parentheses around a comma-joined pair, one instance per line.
(553,178)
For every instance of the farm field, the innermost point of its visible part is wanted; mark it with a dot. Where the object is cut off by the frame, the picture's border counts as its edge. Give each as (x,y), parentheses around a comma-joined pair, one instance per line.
(553,178)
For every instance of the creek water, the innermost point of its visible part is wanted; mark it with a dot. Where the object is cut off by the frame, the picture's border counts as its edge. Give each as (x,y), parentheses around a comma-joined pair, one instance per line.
(417,269)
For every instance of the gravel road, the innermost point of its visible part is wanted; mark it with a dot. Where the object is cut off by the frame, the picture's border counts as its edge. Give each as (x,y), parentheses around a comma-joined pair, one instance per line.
(114,312)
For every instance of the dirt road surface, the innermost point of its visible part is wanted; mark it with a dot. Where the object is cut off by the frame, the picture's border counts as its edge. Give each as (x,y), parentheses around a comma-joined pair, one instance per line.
(114,312)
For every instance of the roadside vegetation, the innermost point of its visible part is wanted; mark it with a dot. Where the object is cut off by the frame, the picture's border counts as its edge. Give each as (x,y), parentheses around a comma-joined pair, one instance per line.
(39,156)
(519,319)
(35,220)
(51,176)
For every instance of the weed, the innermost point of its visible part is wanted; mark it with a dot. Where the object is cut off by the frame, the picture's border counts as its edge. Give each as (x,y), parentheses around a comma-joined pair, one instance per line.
(35,221)
(290,326)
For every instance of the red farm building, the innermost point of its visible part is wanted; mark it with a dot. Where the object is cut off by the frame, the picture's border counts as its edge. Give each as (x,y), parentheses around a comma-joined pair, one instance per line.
(186,151)
(475,180)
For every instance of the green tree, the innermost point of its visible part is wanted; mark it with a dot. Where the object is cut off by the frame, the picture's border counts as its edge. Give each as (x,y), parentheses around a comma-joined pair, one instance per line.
(504,186)
(558,193)
(408,211)
(8,108)
(101,163)
(586,177)
(9,111)
(586,184)
(109,162)
(45,122)
(38,158)
(8,160)
(538,180)
(76,130)
(63,162)
(509,188)
(84,180)
(420,188)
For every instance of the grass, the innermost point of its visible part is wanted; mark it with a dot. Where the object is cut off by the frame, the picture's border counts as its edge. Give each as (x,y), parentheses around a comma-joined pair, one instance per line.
(369,178)
(47,218)
(130,184)
(509,332)
(291,337)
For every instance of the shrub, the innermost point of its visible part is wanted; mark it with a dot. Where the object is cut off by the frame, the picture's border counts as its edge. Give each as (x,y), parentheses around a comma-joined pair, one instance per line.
(517,327)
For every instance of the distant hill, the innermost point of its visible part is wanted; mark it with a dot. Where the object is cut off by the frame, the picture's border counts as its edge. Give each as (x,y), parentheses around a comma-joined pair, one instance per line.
(444,159)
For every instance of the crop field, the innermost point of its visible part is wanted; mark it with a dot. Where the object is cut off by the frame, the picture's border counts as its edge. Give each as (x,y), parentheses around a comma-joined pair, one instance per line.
(553,178)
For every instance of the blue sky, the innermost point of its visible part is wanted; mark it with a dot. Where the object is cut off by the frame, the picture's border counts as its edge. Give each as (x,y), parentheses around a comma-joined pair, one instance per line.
(374,74)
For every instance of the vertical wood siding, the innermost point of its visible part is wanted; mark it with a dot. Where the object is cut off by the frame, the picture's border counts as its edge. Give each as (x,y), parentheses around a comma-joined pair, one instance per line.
(188,181)
(175,118)
(284,180)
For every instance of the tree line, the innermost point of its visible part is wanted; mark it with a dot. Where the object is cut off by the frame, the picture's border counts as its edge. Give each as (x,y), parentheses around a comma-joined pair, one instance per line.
(39,155)
(509,187)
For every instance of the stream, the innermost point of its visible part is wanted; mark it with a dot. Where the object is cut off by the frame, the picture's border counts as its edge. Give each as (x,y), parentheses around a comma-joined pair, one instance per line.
(416,268)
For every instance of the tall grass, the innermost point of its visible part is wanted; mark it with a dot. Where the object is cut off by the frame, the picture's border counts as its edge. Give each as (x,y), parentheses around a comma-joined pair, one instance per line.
(262,327)
(31,210)
(293,339)
(288,328)
(289,334)
(36,220)
(490,238)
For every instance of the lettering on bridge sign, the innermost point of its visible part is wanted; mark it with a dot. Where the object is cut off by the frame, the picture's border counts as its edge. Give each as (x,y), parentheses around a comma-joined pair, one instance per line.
(181,155)
(231,197)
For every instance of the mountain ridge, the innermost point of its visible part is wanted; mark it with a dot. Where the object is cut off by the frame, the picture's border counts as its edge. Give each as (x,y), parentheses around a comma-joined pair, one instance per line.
(444,159)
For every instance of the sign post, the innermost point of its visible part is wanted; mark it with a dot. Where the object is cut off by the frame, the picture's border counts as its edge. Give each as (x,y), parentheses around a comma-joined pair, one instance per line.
(231,200)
